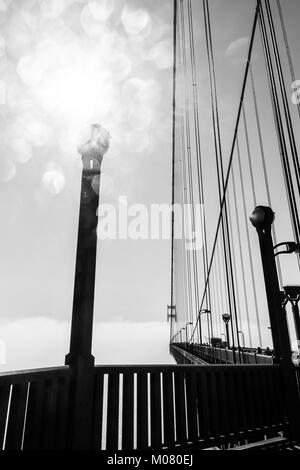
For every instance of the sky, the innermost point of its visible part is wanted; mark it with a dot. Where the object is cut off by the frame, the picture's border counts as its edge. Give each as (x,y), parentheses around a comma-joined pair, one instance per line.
(63,65)
(231,28)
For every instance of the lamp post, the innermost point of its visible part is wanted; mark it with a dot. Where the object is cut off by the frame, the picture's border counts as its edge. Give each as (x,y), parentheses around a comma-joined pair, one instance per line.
(226,319)
(80,358)
(180,336)
(243,336)
(262,219)
(292,295)
(207,312)
(186,330)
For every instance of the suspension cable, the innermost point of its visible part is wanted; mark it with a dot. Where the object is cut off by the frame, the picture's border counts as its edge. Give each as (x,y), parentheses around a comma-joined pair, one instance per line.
(264,163)
(241,257)
(220,171)
(248,242)
(287,47)
(255,22)
(279,130)
(285,100)
(173,154)
(198,145)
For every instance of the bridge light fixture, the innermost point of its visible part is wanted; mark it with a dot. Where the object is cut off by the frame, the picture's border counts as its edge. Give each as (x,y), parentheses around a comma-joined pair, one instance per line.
(226,318)
(291,247)
(292,295)
(262,217)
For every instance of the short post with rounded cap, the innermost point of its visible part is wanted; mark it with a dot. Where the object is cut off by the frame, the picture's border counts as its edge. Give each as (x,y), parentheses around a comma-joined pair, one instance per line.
(262,219)
(80,357)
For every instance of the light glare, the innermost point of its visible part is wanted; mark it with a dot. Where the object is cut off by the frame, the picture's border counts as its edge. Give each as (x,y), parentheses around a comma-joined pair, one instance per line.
(135,21)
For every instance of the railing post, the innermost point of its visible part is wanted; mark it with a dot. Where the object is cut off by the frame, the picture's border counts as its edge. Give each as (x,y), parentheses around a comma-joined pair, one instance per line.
(80,358)
(262,219)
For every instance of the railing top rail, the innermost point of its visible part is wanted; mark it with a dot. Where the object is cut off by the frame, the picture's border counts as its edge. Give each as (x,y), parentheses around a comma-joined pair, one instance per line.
(33,375)
(123,369)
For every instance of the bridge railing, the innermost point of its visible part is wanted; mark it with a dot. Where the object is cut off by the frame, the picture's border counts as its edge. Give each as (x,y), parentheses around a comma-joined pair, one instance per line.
(225,356)
(144,407)
(34,408)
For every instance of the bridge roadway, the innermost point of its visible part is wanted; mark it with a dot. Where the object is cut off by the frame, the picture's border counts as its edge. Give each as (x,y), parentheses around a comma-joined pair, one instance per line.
(210,355)
(185,357)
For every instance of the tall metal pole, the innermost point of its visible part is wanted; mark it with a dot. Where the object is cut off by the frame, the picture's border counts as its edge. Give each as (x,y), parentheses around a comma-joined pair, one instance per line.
(262,219)
(243,336)
(297,322)
(208,326)
(80,358)
(226,319)
(227,334)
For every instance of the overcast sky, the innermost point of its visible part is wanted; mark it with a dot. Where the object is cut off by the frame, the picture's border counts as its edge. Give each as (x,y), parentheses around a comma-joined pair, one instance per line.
(63,64)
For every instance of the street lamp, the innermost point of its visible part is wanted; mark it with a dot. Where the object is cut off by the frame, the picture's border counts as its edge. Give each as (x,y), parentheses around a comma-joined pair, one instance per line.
(292,295)
(262,219)
(180,335)
(226,319)
(208,312)
(80,358)
(243,336)
(186,330)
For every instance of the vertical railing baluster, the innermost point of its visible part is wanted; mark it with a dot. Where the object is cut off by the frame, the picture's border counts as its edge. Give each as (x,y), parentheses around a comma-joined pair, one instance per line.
(112,430)
(142,410)
(98,411)
(203,414)
(155,410)
(191,398)
(49,414)
(168,409)
(34,415)
(62,413)
(4,399)
(16,417)
(128,411)
(180,407)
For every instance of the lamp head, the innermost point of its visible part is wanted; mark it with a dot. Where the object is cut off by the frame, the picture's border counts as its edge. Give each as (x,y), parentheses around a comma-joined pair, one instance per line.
(292,292)
(226,318)
(93,149)
(262,217)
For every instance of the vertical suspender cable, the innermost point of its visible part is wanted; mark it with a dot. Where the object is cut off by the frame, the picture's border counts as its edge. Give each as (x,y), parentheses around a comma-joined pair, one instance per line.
(280,130)
(220,172)
(232,151)
(239,236)
(198,145)
(264,164)
(285,100)
(249,244)
(189,161)
(287,47)
(173,153)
